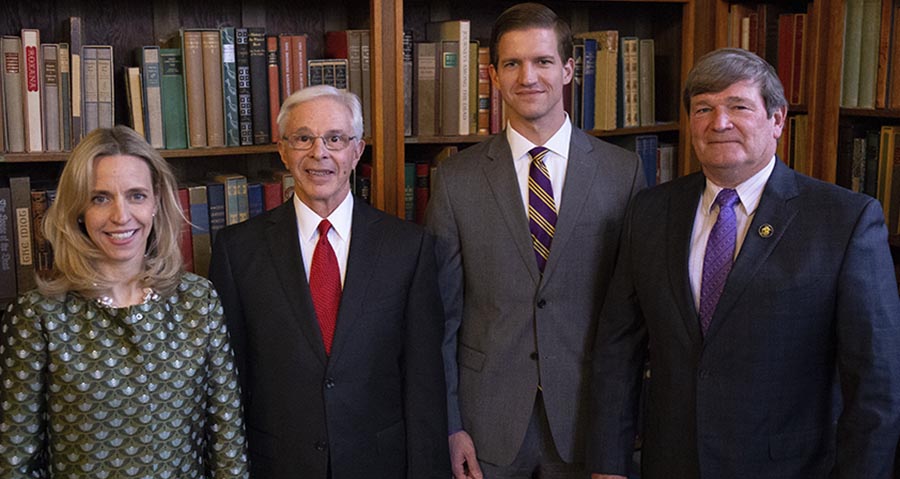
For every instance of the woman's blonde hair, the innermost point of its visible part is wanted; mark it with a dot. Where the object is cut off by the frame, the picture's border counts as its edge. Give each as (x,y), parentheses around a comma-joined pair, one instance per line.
(75,254)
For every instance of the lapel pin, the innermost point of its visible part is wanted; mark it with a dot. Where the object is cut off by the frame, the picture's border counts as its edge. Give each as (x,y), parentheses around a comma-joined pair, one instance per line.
(766,230)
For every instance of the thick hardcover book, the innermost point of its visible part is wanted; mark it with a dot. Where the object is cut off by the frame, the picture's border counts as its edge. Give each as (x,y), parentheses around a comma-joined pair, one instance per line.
(408,83)
(215,198)
(259,86)
(212,87)
(31,89)
(200,232)
(43,253)
(229,88)
(151,93)
(457,31)
(105,92)
(298,62)
(14,123)
(76,41)
(236,204)
(255,201)
(7,250)
(242,60)
(646,146)
(589,85)
(172,94)
(90,112)
(274,88)
(484,91)
(20,193)
(647,80)
(272,194)
(452,95)
(192,54)
(853,33)
(428,92)
(285,67)
(606,78)
(185,241)
(65,95)
(133,94)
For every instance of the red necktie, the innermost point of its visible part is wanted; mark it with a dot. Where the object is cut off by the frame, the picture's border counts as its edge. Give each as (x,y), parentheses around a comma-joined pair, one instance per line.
(325,285)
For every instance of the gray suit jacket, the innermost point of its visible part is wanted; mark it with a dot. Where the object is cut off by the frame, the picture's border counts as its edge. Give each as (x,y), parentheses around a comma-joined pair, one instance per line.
(799,374)
(508,328)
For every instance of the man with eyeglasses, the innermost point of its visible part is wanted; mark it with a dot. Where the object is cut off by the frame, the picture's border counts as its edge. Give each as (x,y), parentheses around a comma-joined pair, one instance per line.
(335,316)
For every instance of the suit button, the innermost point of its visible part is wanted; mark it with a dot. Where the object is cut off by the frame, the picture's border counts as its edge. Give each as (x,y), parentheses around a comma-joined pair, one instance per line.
(541,303)
(321,446)
(329,383)
(533,356)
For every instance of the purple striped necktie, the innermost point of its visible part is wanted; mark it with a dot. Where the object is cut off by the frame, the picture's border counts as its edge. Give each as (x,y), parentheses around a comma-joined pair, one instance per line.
(719,256)
(541,206)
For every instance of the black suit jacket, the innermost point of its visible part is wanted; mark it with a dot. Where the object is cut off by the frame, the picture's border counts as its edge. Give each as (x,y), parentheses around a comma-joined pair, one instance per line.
(376,407)
(798,376)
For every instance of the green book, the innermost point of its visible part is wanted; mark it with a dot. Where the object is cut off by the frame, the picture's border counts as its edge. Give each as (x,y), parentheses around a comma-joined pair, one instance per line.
(229,88)
(172,87)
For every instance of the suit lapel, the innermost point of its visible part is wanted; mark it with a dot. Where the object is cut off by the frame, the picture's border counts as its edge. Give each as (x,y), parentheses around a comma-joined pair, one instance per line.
(501,175)
(776,212)
(680,226)
(365,241)
(581,176)
(284,244)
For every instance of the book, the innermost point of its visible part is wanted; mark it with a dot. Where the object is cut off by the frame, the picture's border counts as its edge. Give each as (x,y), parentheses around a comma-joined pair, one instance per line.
(786,52)
(273,86)
(665,163)
(647,81)
(255,201)
(43,253)
(90,110)
(629,101)
(211,41)
(454,36)
(607,78)
(171,86)
(298,61)
(194,87)
(858,165)
(363,182)
(151,93)
(473,88)
(236,202)
(65,95)
(347,44)
(272,194)
(328,71)
(215,200)
(408,56)
(285,67)
(409,191)
(20,200)
(884,54)
(576,86)
(427,80)
(229,88)
(73,25)
(886,174)
(31,88)
(873,149)
(105,90)
(185,240)
(366,65)
(589,85)
(242,62)
(201,248)
(798,75)
(13,120)
(868,54)
(853,33)
(259,86)
(133,98)
(484,91)
(8,289)
(893,91)
(422,190)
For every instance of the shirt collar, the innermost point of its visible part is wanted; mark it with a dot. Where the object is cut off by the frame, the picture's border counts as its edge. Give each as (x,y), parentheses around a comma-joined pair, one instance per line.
(750,191)
(308,220)
(557,144)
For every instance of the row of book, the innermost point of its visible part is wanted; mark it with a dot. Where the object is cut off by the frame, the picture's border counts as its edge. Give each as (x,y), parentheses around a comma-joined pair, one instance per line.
(657,158)
(871,60)
(208,87)
(777,35)
(874,159)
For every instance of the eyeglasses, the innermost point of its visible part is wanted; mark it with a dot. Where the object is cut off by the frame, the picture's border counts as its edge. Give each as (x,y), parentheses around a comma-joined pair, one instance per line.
(333,142)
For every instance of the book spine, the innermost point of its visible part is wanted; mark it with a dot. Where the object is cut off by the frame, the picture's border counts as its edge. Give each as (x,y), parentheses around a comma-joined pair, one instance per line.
(629,49)
(133,97)
(229,88)
(7,250)
(212,87)
(185,243)
(799,60)
(255,201)
(215,195)
(647,77)
(242,60)
(465,63)
(366,68)
(286,68)
(274,82)
(422,190)
(298,61)
(484,91)
(90,113)
(105,94)
(172,94)
(451,93)
(20,192)
(76,41)
(589,84)
(65,95)
(427,92)
(272,195)
(473,88)
(31,86)
(884,49)
(43,253)
(152,96)
(407,83)
(200,236)
(12,94)
(409,191)
(259,91)
(192,54)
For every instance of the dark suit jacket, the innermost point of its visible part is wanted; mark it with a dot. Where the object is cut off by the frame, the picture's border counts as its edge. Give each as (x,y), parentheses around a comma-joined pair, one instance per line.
(799,374)
(508,326)
(375,408)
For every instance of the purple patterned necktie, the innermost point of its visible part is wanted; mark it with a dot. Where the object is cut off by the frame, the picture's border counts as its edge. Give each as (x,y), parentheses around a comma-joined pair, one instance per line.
(719,256)
(541,207)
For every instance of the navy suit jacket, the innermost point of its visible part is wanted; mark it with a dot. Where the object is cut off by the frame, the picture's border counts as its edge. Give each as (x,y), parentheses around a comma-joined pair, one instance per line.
(375,407)
(799,373)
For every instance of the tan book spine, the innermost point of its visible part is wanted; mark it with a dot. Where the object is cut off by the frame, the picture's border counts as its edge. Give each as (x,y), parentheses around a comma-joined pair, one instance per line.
(212,87)
(135,102)
(193,87)
(50,92)
(105,94)
(90,117)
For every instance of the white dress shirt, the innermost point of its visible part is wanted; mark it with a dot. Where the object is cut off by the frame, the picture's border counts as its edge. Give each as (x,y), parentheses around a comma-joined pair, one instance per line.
(557,159)
(749,192)
(339,235)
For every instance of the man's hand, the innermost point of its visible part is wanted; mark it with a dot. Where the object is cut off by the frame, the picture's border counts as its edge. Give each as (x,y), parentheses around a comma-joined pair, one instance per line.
(606,476)
(462,456)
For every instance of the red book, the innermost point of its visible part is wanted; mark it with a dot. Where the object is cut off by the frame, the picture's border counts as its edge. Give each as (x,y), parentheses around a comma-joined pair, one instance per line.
(287,68)
(186,243)
(798,60)
(298,61)
(422,191)
(274,90)
(272,194)
(786,51)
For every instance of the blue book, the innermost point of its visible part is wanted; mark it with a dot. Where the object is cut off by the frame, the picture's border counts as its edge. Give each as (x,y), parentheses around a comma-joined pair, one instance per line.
(255,202)
(589,84)
(645,147)
(215,196)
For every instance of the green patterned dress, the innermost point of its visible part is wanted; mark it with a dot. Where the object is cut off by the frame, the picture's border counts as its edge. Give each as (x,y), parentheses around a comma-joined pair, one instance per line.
(149,391)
